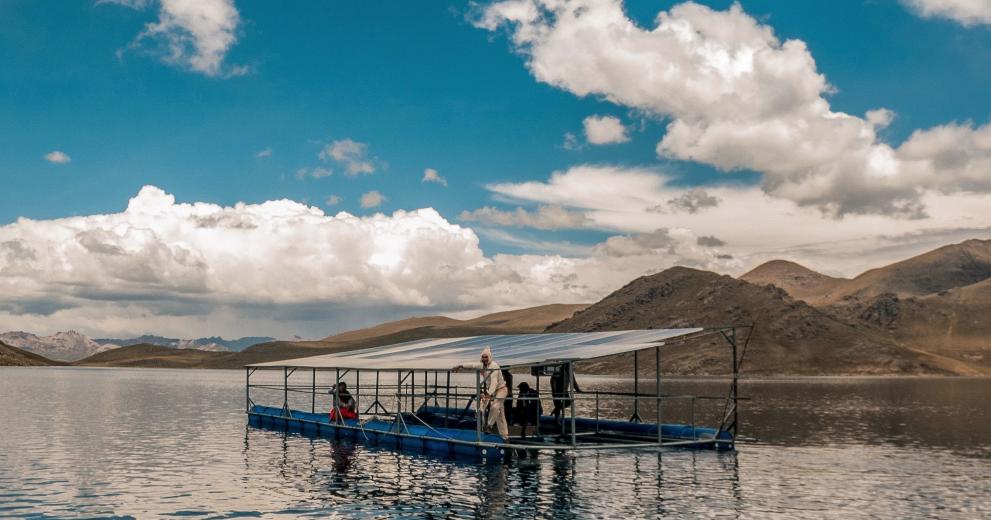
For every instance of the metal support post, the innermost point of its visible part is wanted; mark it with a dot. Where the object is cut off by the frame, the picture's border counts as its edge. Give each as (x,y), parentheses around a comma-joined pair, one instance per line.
(313,393)
(574,404)
(478,405)
(660,424)
(636,388)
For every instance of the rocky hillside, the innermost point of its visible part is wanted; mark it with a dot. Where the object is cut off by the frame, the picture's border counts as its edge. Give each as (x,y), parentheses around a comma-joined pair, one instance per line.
(791,337)
(519,321)
(799,281)
(937,302)
(15,357)
(61,346)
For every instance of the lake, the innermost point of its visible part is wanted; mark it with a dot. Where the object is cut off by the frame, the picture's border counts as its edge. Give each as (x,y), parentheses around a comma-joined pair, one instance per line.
(137,443)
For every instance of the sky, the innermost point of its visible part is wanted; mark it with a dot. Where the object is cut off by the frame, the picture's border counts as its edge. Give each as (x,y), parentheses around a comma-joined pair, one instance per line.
(192,168)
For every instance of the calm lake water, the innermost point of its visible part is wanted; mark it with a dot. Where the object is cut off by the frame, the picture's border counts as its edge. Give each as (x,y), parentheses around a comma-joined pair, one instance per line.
(142,443)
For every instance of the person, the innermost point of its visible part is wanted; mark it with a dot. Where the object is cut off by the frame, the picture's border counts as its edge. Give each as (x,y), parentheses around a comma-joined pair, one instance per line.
(559,391)
(528,408)
(343,401)
(493,392)
(508,408)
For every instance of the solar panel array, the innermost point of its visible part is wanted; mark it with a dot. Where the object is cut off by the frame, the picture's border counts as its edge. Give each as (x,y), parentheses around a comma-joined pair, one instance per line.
(507,350)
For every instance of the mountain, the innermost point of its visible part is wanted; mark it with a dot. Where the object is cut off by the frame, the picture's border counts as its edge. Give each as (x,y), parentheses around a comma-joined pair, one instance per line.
(791,336)
(152,356)
(61,346)
(937,302)
(519,321)
(15,357)
(213,343)
(799,281)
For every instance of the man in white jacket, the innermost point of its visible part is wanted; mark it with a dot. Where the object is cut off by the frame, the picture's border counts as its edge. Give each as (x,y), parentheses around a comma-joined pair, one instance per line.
(494,392)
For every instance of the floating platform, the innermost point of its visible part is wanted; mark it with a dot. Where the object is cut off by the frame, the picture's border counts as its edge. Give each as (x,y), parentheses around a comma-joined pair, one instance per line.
(425,431)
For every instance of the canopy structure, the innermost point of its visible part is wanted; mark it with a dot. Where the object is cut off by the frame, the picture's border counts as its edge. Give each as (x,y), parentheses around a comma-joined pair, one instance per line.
(507,350)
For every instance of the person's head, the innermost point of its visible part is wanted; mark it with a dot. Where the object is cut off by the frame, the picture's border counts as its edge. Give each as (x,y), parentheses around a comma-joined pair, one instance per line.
(342,386)
(523,387)
(486,356)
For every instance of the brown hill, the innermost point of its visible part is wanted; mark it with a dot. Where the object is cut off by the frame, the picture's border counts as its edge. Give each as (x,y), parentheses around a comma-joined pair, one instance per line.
(519,321)
(791,337)
(15,357)
(798,281)
(153,356)
(949,267)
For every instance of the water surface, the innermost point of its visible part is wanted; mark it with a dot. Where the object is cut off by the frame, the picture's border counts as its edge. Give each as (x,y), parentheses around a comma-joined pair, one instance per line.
(140,443)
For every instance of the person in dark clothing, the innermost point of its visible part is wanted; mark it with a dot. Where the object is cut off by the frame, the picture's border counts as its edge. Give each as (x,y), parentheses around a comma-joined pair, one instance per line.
(559,391)
(344,402)
(507,376)
(528,407)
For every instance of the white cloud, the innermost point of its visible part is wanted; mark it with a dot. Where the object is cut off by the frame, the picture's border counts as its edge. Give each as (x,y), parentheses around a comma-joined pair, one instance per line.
(546,217)
(757,227)
(966,12)
(372,199)
(351,154)
(333,200)
(162,266)
(261,154)
(282,267)
(735,96)
(192,34)
(315,173)
(604,130)
(57,157)
(571,142)
(431,175)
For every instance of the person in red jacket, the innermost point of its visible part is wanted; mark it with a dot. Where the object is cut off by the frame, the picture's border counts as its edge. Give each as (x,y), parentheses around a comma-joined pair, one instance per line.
(343,401)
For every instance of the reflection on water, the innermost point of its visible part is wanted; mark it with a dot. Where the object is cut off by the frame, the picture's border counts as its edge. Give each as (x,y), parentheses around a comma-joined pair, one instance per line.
(93,442)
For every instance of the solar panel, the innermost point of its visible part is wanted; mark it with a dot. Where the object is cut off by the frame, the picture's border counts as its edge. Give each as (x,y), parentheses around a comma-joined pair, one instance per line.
(507,350)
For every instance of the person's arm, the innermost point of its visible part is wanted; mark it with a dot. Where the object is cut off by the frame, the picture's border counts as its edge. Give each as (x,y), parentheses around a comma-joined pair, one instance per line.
(475,366)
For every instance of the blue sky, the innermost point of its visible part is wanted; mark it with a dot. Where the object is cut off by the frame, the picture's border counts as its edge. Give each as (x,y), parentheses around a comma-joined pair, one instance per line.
(425,85)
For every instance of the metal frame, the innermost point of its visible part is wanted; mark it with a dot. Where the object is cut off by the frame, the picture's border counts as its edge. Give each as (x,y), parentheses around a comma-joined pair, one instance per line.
(406,397)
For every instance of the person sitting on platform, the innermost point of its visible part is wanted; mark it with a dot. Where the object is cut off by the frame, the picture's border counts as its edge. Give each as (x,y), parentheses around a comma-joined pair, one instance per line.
(343,401)
(528,407)
(493,392)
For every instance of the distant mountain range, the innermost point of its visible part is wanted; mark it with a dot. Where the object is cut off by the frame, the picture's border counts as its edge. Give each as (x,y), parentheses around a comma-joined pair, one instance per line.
(925,315)
(73,346)
(211,344)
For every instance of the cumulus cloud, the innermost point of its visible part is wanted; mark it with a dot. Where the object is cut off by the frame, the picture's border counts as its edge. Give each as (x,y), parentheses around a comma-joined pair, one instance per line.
(709,241)
(332,200)
(372,199)
(192,34)
(693,201)
(966,12)
(350,154)
(757,226)
(546,217)
(431,175)
(734,95)
(163,266)
(604,130)
(261,154)
(57,157)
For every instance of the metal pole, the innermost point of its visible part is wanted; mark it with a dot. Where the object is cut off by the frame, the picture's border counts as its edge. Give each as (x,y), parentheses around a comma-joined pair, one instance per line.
(574,405)
(313,393)
(478,405)
(247,389)
(357,393)
(536,427)
(660,424)
(636,388)
(285,390)
(447,399)
(736,375)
